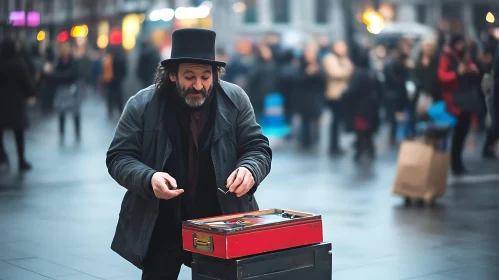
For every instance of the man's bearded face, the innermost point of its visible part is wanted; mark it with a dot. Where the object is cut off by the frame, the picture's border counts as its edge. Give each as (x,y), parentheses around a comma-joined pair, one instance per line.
(193,83)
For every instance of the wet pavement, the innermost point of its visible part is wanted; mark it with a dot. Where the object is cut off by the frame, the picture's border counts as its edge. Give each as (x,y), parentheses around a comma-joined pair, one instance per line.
(57,221)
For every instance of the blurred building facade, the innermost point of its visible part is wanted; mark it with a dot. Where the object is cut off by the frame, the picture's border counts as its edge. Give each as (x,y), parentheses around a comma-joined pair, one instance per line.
(254,17)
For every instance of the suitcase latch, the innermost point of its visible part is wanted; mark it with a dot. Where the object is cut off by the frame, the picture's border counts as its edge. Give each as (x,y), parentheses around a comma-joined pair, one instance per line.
(202,242)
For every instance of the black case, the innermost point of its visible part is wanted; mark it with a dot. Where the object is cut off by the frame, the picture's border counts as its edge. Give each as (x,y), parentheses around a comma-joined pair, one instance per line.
(308,262)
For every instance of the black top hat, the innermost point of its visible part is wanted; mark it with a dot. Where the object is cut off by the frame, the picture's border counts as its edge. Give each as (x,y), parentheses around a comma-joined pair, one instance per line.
(193,45)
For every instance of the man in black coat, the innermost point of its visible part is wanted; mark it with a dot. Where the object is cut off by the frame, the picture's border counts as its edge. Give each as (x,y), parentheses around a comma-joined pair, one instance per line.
(188,147)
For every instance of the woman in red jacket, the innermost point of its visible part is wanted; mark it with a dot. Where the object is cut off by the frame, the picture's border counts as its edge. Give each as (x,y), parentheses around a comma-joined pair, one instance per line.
(457,72)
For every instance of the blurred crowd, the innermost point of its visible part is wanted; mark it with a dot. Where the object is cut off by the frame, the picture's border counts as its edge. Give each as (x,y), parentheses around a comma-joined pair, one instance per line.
(392,83)
(56,78)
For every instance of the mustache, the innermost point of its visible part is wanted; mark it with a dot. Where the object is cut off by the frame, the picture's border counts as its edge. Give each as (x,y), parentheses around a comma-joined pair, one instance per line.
(203,91)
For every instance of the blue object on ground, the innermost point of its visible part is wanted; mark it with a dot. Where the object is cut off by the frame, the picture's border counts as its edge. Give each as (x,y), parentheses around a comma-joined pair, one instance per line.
(274,123)
(440,116)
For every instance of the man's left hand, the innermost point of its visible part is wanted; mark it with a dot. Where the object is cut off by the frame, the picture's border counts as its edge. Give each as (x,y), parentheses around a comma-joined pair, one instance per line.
(240,181)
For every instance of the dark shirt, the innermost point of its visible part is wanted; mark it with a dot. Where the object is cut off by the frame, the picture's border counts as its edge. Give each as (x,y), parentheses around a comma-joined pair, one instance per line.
(204,202)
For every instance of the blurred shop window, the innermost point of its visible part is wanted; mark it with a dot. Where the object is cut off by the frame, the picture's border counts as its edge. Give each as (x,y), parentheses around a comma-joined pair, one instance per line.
(250,14)
(321,11)
(18,6)
(453,14)
(196,3)
(101,5)
(421,13)
(5,7)
(62,5)
(280,10)
(37,5)
(48,6)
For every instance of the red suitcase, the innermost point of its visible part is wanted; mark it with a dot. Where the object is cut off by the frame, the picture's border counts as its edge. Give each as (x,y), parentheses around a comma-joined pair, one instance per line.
(251,233)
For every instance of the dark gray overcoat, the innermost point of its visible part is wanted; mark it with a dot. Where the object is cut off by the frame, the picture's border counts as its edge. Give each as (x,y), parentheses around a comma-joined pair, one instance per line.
(141,147)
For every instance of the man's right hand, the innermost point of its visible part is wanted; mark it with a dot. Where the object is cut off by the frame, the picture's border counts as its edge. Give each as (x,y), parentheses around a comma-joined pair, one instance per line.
(164,186)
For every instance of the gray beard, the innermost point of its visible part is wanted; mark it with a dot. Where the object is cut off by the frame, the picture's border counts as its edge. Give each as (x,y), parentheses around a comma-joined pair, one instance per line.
(192,102)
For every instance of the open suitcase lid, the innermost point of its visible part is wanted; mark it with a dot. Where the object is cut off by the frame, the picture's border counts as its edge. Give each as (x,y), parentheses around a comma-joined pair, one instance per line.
(250,220)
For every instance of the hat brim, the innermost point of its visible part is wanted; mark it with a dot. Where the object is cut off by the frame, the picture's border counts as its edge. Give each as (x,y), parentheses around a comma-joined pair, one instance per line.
(179,60)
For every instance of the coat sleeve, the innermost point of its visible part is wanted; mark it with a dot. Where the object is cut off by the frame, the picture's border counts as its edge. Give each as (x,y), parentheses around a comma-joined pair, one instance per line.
(67,75)
(27,82)
(253,150)
(123,156)
(445,75)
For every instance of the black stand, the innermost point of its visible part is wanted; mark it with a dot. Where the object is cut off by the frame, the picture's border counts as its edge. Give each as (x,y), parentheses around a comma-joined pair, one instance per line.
(309,262)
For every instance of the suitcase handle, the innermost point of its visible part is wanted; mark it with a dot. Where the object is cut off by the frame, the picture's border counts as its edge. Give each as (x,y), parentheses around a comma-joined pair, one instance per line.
(202,242)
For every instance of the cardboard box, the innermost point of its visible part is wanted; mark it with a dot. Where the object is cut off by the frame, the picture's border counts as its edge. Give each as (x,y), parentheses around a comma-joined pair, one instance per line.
(421,171)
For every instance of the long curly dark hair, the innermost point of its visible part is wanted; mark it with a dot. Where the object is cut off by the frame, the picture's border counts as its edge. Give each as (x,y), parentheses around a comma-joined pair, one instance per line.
(163,82)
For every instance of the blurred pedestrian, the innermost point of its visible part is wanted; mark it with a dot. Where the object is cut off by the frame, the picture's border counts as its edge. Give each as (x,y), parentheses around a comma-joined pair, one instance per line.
(288,85)
(426,77)
(490,145)
(83,60)
(458,77)
(16,90)
(68,96)
(96,70)
(149,59)
(397,101)
(205,156)
(46,87)
(311,95)
(263,79)
(339,70)
(362,100)
(113,75)
(324,47)
(426,71)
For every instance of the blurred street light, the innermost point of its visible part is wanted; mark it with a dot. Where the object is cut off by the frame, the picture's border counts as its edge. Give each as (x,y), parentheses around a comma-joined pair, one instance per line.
(102,41)
(374,28)
(239,7)
(490,18)
(155,15)
(167,14)
(63,37)
(374,21)
(181,13)
(371,16)
(208,4)
(131,28)
(202,11)
(40,36)
(163,14)
(115,36)
(79,31)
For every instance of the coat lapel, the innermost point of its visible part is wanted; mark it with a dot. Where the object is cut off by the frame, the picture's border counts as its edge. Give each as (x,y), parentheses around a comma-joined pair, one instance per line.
(223,115)
(163,145)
